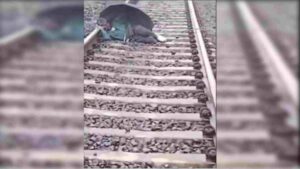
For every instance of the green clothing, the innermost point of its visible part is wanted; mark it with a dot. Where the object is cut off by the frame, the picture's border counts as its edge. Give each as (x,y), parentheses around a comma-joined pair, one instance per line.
(71,30)
(123,30)
(119,32)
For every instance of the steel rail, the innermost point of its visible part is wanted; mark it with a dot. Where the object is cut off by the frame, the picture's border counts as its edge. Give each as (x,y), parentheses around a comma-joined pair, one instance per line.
(208,69)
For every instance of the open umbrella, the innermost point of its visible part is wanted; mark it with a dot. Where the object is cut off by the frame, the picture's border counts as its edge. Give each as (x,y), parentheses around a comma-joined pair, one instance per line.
(134,15)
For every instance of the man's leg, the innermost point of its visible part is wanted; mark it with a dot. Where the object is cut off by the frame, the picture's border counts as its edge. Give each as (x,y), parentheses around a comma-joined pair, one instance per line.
(142,31)
(143,39)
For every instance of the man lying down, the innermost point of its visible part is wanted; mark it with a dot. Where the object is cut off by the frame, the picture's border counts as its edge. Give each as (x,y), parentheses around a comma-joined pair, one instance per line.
(121,30)
(125,23)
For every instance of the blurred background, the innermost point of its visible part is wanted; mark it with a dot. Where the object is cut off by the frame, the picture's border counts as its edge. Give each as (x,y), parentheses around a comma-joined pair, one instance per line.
(257,84)
(41,79)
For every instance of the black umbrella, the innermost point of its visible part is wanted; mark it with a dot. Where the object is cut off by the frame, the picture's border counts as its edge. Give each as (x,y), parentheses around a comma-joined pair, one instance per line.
(133,14)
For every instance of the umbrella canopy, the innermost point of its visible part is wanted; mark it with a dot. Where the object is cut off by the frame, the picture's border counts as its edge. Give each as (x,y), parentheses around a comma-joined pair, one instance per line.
(133,14)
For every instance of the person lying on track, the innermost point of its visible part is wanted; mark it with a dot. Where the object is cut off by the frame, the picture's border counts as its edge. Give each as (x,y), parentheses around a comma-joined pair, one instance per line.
(122,30)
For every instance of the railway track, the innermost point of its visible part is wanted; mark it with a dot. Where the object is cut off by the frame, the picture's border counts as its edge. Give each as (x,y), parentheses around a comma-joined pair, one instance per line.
(150,105)
(256,110)
(41,105)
